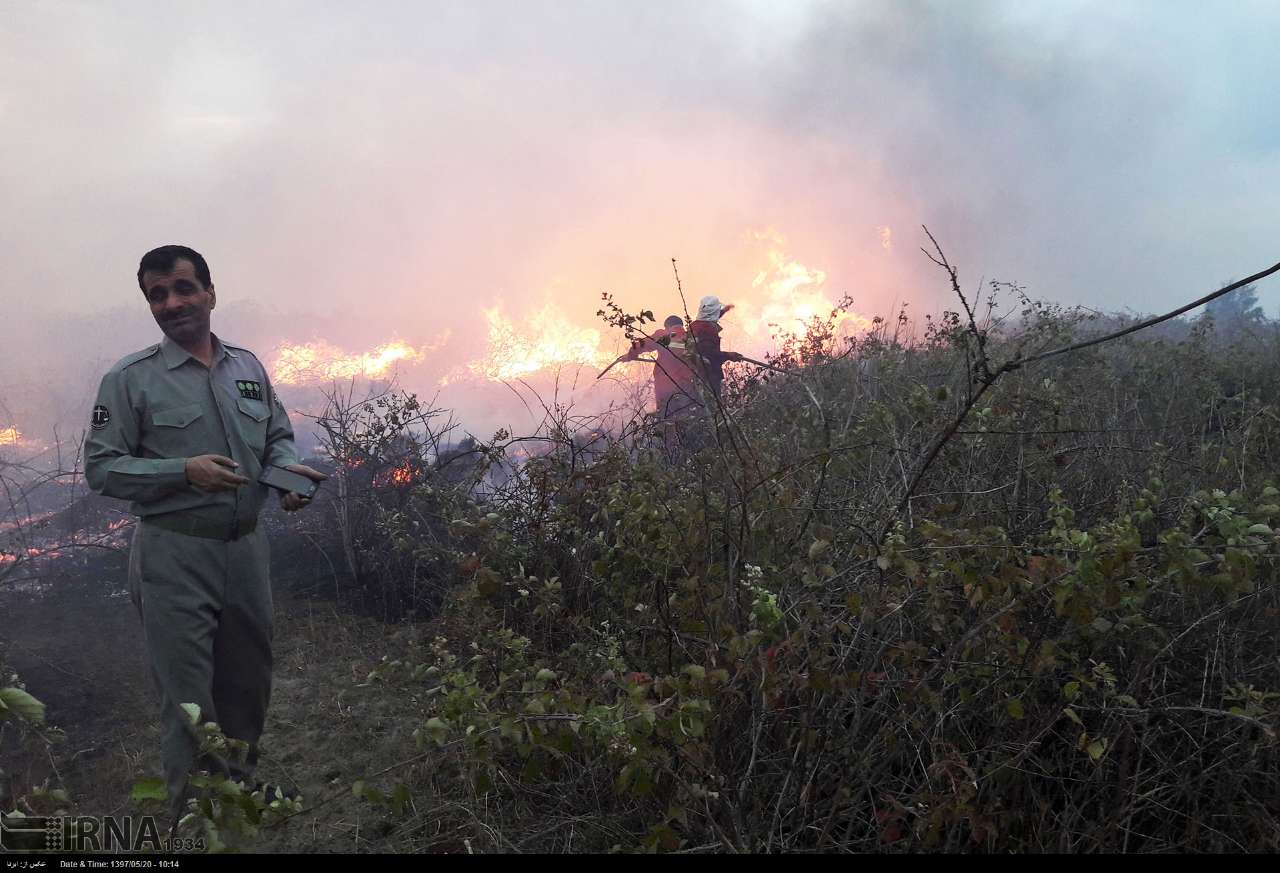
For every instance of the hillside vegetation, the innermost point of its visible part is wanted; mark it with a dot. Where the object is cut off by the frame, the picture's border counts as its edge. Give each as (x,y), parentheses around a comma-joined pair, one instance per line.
(889,596)
(787,630)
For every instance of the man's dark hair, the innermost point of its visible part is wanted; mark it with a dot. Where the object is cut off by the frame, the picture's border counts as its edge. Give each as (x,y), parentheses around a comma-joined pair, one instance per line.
(163,260)
(673,321)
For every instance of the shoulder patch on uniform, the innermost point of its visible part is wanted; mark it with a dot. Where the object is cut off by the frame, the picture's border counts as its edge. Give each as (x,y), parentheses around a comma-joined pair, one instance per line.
(101,417)
(129,360)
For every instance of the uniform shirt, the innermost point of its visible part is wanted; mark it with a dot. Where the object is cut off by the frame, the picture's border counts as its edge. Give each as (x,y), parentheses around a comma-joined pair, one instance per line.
(160,406)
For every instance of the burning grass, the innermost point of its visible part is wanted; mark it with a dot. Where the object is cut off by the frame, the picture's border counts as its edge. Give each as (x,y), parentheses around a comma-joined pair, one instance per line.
(550,340)
(320,361)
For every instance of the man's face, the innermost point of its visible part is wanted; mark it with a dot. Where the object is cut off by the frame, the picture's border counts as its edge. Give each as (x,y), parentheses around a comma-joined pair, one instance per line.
(179,302)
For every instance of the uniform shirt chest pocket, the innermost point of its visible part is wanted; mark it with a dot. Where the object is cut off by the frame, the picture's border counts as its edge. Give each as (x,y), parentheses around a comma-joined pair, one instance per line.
(177,431)
(253,422)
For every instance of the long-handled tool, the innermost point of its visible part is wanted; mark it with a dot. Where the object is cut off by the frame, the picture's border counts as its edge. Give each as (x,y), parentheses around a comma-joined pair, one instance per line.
(745,359)
(619,361)
(766,366)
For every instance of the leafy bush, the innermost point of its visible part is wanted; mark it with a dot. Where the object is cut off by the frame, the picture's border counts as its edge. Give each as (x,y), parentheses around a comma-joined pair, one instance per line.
(883,603)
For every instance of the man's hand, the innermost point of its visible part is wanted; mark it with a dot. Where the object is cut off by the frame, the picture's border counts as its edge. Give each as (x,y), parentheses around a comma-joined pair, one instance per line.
(294,501)
(213,473)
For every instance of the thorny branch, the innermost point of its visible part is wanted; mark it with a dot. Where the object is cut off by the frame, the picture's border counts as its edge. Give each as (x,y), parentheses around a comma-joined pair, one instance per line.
(988,377)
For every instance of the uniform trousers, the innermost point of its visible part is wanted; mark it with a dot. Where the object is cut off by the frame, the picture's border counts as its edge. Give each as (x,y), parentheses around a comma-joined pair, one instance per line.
(207,619)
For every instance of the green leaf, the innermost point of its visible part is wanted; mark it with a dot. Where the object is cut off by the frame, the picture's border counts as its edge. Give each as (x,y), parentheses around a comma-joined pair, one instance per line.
(193,712)
(400,798)
(1014,708)
(216,846)
(436,729)
(696,672)
(18,701)
(249,807)
(1071,690)
(151,788)
(1261,529)
(1071,714)
(545,675)
(1097,748)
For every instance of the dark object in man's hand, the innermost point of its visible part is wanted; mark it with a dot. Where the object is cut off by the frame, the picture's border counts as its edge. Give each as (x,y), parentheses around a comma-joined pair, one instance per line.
(288,481)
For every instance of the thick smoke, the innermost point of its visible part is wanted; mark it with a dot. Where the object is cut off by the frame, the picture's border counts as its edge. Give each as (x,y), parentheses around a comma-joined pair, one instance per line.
(356,174)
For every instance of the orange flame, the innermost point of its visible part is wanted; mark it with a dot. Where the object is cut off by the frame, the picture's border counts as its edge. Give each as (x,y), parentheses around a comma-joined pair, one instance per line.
(405,474)
(10,436)
(550,341)
(794,296)
(30,554)
(27,521)
(299,364)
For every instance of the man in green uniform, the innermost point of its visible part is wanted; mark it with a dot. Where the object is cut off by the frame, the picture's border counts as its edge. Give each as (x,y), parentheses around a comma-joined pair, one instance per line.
(183,429)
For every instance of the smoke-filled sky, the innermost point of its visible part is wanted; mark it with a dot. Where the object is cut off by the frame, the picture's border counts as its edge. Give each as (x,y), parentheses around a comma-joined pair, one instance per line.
(361,172)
